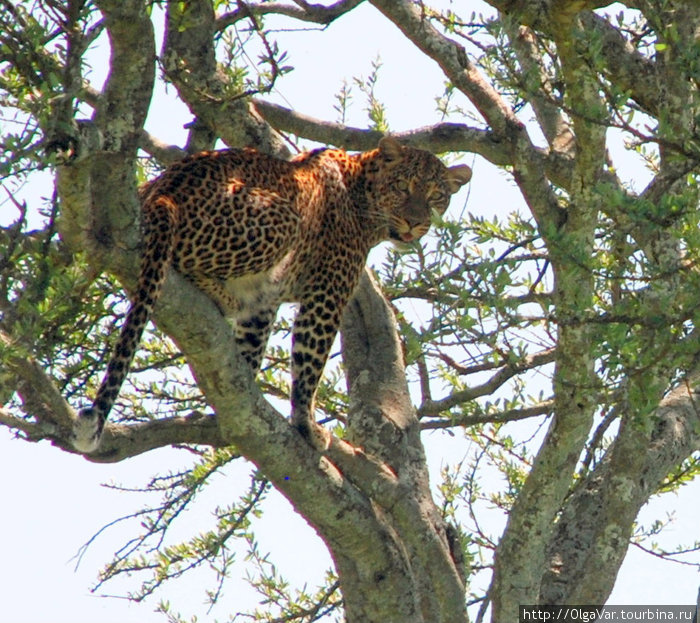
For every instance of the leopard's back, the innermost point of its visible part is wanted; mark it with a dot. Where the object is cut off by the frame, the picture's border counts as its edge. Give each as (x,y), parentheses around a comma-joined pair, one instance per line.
(238,212)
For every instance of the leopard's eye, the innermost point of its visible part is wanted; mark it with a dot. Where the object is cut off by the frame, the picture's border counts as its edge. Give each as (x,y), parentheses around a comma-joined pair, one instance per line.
(402,185)
(436,196)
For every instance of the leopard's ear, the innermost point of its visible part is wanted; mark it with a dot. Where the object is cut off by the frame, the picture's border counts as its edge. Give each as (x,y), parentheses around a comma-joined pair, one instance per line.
(390,148)
(458,176)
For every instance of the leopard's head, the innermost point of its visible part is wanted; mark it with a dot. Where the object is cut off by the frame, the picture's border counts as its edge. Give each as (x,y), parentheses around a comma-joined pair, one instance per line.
(407,185)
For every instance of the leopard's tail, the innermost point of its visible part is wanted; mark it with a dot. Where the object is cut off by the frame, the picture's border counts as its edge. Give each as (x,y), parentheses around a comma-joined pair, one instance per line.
(159,226)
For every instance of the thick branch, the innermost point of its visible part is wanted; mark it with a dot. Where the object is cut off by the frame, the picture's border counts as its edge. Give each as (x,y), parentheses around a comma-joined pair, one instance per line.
(438,138)
(362,544)
(124,103)
(382,419)
(540,91)
(189,61)
(300,10)
(522,552)
(601,512)
(625,66)
(374,360)
(538,13)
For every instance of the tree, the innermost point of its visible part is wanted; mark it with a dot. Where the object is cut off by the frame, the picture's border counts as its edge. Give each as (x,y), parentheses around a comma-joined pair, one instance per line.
(594,289)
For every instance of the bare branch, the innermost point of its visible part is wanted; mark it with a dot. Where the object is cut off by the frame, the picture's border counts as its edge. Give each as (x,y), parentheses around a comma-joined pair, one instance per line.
(550,117)
(497,380)
(314,129)
(164,153)
(438,138)
(300,10)
(511,415)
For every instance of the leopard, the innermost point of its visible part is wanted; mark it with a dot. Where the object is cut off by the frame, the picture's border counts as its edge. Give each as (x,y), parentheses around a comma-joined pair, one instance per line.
(253,231)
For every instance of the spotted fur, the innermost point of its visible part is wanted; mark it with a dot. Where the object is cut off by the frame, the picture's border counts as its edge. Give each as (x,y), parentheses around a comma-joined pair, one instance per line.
(252,231)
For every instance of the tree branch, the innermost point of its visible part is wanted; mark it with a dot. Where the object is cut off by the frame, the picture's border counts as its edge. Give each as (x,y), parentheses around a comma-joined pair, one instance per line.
(550,117)
(165,154)
(189,44)
(382,419)
(438,138)
(300,10)
(625,66)
(38,394)
(511,415)
(521,553)
(54,417)
(631,471)
(488,387)
(123,105)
